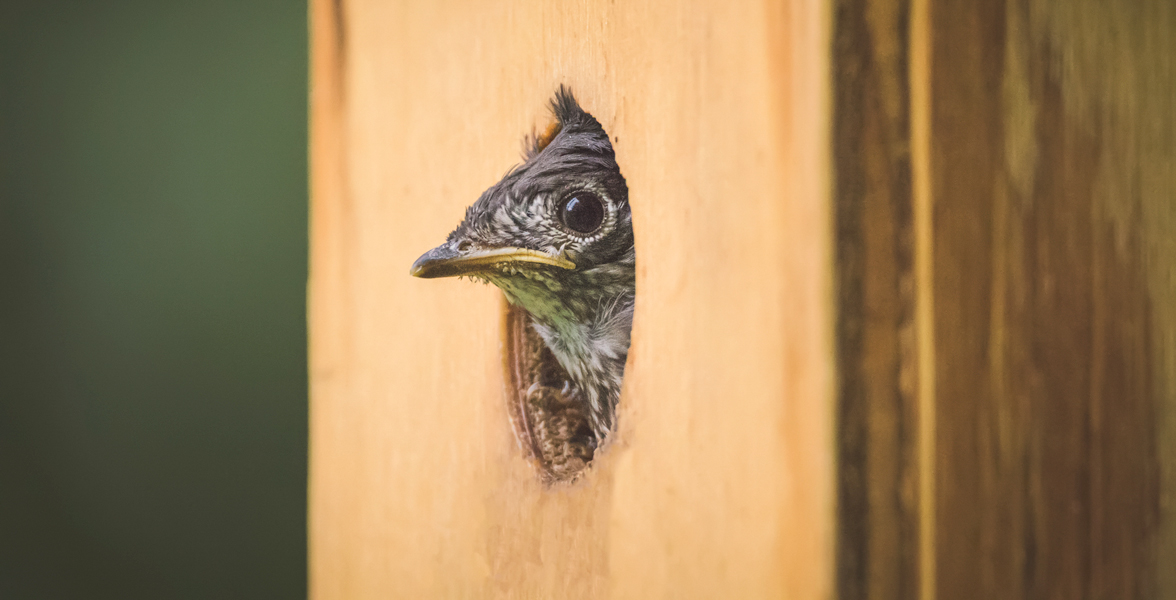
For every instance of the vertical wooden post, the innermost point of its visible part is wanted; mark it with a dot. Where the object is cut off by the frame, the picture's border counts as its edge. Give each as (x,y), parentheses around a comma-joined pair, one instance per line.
(1052,203)
(1037,352)
(878,410)
(720,481)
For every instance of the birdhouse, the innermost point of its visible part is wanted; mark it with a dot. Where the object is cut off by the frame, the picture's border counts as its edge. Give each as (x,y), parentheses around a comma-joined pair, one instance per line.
(903,311)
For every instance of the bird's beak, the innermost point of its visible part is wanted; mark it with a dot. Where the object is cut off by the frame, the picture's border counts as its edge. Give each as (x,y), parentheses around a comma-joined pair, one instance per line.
(444,261)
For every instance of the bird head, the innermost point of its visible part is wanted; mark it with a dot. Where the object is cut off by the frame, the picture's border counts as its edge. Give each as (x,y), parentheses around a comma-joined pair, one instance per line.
(555,233)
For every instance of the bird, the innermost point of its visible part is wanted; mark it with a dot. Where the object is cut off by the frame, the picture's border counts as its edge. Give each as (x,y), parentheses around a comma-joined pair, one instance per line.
(555,234)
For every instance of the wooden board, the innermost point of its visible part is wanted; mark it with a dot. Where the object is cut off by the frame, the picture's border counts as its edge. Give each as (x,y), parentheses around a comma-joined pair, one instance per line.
(720,482)
(1051,191)
(879,469)
(1006,268)
(970,220)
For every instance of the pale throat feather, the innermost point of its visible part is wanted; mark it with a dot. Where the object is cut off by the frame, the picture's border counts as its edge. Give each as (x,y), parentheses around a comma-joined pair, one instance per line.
(587,331)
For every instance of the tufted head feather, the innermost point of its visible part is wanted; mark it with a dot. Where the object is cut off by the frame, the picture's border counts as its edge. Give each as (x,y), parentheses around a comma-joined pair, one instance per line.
(567,113)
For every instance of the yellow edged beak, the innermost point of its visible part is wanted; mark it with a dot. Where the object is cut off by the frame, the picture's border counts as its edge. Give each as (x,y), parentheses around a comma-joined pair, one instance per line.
(444,261)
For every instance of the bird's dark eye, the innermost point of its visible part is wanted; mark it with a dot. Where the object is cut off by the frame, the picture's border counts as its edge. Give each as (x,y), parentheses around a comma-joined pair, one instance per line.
(582,212)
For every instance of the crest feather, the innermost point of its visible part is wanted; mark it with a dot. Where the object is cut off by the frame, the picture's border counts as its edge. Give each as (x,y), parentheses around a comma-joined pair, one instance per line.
(567,112)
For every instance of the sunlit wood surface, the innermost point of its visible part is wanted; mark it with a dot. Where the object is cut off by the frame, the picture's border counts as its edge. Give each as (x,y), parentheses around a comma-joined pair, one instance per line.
(720,481)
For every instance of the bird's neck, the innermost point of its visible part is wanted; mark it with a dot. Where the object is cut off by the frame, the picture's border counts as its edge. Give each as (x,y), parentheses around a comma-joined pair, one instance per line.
(584,318)
(566,302)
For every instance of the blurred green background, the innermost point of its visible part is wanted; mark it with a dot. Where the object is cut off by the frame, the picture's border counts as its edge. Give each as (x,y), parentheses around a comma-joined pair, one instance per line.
(153,204)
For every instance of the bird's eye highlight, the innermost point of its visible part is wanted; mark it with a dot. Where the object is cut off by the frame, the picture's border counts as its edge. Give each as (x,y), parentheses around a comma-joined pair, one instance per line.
(582,212)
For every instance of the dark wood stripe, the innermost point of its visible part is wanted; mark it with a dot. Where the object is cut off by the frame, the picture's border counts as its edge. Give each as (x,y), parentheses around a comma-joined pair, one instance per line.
(877,536)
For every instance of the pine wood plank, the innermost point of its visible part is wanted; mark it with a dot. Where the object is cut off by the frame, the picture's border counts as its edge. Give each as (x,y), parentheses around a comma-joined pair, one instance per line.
(720,483)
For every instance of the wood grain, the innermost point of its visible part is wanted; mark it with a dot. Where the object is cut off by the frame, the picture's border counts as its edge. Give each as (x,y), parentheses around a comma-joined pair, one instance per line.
(720,482)
(962,211)
(878,468)
(1005,251)
(1051,187)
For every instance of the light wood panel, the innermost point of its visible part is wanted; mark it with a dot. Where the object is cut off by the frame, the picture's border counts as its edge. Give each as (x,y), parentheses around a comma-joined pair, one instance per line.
(720,481)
